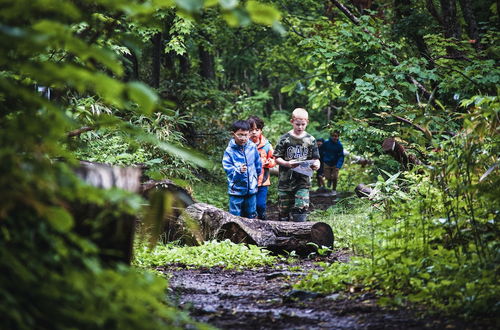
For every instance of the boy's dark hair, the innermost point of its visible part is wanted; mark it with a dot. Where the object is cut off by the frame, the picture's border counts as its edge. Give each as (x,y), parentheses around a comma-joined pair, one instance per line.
(255,121)
(337,132)
(240,124)
(320,140)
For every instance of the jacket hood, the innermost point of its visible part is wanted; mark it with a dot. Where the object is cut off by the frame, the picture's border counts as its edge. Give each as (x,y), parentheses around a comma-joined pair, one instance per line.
(233,144)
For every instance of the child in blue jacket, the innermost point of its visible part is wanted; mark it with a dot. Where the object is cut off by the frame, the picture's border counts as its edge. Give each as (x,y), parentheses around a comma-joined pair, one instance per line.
(332,153)
(243,166)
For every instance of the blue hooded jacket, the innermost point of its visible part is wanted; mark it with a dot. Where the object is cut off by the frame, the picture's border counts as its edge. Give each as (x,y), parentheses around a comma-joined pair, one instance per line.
(241,184)
(332,153)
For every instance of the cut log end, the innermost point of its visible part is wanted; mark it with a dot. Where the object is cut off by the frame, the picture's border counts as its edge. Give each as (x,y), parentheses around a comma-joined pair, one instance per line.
(322,235)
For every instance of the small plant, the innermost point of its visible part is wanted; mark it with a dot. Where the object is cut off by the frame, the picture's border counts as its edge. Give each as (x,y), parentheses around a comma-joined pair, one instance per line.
(211,254)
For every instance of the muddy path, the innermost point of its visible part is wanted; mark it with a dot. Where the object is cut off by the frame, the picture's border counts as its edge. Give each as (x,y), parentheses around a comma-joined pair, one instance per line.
(264,298)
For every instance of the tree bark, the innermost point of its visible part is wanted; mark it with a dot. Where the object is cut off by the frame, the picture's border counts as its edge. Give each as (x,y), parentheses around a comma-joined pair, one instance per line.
(156,60)
(470,19)
(207,64)
(184,64)
(201,222)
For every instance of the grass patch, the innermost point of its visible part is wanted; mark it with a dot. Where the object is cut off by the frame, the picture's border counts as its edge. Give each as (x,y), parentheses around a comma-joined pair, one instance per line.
(225,254)
(212,193)
(350,220)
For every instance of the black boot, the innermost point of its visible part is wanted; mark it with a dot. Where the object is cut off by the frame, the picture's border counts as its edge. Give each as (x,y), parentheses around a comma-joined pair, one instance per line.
(299,215)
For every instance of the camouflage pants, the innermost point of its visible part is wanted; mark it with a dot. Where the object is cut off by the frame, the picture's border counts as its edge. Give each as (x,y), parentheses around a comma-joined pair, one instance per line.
(293,201)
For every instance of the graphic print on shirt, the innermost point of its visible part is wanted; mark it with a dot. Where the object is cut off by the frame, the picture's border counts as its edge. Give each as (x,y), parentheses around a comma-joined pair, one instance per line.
(296,152)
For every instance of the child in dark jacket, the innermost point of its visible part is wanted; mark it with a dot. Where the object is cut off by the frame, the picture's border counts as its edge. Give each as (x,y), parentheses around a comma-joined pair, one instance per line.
(243,166)
(332,152)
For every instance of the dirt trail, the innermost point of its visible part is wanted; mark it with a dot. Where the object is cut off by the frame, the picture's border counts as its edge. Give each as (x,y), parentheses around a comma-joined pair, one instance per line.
(263,298)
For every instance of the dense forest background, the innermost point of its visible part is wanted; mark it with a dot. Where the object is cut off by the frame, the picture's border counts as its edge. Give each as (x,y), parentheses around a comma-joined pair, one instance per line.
(157,83)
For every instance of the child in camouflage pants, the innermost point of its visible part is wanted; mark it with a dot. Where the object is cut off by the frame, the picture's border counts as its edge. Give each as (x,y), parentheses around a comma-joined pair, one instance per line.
(293,187)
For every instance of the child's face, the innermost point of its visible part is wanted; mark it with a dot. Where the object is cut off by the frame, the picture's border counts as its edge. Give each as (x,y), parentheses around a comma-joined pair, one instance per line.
(241,137)
(299,125)
(319,143)
(335,137)
(255,133)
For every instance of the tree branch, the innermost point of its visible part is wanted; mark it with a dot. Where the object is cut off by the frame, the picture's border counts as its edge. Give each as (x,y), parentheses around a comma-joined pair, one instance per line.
(79,131)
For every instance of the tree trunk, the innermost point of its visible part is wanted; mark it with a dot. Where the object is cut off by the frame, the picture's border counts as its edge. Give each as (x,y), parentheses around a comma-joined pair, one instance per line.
(156,60)
(201,222)
(470,19)
(207,63)
(449,15)
(184,64)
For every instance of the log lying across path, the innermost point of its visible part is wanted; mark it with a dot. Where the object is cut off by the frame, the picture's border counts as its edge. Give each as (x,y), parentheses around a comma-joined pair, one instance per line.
(176,216)
(277,236)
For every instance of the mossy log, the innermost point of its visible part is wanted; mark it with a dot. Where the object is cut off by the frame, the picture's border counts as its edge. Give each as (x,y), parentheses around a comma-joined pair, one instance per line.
(202,222)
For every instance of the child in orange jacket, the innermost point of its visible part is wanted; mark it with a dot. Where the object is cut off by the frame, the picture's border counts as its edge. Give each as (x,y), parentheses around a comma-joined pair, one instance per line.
(266,155)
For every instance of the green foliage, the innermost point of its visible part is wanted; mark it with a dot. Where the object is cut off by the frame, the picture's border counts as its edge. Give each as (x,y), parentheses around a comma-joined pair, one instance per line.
(52,276)
(225,254)
(351,222)
(435,242)
(213,193)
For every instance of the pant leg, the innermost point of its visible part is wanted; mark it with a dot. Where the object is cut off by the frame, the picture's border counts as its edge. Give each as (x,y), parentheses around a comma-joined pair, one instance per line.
(285,202)
(335,178)
(250,206)
(301,200)
(261,202)
(236,204)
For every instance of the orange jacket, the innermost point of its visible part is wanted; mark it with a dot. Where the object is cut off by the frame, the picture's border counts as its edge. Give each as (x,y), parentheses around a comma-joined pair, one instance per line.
(266,156)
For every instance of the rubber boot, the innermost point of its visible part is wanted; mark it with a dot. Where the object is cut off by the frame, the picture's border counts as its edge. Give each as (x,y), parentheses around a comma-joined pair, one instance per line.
(283,217)
(299,217)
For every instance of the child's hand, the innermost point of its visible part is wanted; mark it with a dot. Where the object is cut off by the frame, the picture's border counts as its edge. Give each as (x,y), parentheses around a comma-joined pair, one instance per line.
(315,166)
(243,168)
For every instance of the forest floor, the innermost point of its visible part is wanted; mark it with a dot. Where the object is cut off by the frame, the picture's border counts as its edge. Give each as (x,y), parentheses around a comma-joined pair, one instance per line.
(263,298)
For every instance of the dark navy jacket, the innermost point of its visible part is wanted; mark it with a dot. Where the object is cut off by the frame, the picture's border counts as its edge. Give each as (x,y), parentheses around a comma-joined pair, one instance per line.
(241,184)
(332,153)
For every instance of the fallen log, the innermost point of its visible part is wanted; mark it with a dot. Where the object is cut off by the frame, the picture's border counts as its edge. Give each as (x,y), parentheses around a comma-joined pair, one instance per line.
(202,222)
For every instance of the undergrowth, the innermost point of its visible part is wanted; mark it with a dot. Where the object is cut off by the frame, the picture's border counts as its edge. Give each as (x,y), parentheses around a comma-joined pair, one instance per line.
(211,254)
(351,223)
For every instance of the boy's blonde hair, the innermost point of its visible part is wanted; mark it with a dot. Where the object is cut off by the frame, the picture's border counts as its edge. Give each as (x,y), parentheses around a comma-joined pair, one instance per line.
(300,113)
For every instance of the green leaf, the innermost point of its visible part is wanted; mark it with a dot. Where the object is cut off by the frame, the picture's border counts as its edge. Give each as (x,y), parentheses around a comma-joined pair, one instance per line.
(59,219)
(228,4)
(262,13)
(142,95)
(190,5)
